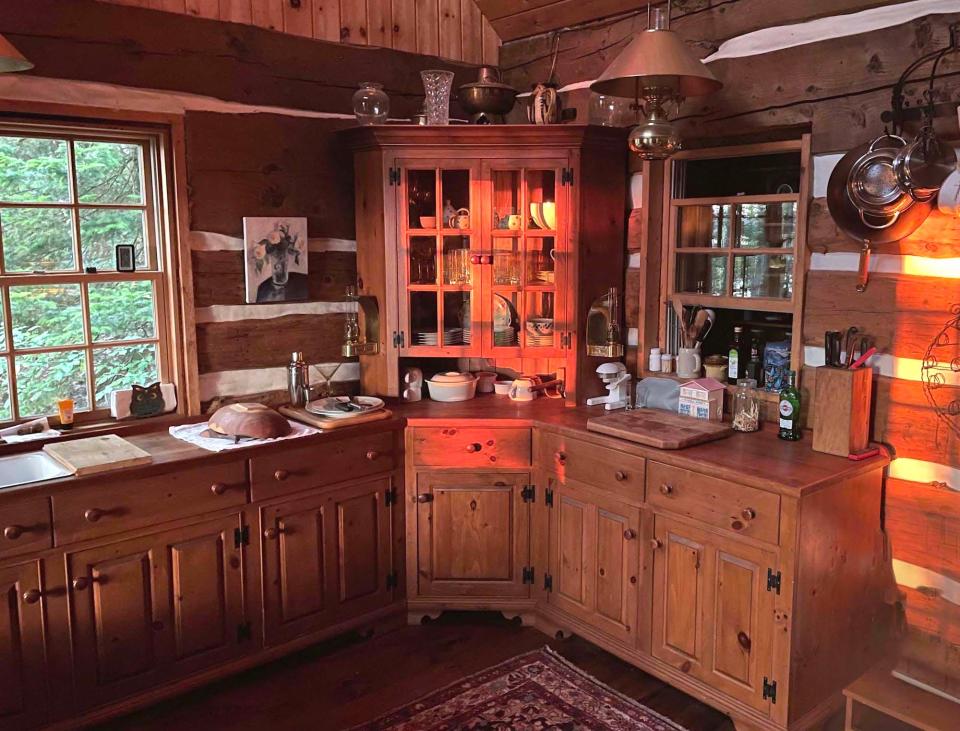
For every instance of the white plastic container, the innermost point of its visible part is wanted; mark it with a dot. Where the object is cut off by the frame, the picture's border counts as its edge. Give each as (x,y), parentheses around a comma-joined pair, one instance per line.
(452,386)
(654,360)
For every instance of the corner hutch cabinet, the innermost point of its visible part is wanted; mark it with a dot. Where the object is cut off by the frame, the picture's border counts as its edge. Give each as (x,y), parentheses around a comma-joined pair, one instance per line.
(487,242)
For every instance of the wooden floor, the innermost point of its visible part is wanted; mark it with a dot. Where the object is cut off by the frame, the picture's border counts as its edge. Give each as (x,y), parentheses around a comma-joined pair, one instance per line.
(337,684)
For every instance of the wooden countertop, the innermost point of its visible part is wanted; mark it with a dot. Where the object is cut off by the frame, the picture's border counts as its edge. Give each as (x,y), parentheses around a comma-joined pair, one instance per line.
(759,459)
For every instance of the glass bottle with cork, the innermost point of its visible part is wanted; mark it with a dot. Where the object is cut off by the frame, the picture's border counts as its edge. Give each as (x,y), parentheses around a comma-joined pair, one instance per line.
(737,356)
(789,409)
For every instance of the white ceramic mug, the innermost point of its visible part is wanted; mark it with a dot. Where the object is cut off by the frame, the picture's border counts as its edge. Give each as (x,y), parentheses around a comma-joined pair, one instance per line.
(689,363)
(521,390)
(513,222)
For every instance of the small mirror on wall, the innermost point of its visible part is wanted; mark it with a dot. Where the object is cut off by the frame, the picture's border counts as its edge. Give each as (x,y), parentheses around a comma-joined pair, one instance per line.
(126,258)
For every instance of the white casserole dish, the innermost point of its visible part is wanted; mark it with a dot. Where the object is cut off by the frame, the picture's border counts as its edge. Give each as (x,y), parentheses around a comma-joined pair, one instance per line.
(452,386)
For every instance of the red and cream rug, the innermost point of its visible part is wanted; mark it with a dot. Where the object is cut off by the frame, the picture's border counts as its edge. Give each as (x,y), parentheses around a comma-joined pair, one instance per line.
(536,691)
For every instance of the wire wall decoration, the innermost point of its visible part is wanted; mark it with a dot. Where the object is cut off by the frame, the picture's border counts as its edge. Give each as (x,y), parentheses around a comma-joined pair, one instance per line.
(941,373)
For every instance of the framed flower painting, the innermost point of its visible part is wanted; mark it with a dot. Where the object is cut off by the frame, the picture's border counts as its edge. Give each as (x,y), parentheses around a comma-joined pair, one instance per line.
(275,259)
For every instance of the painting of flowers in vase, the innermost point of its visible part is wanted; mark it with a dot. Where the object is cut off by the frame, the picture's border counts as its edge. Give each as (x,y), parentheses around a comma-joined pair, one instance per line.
(275,259)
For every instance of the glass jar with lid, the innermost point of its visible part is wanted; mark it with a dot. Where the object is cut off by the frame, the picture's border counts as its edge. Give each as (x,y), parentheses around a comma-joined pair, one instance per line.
(746,406)
(371,105)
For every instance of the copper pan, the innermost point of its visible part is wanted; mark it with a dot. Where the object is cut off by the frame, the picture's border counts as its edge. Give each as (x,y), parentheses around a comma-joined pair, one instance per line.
(863,225)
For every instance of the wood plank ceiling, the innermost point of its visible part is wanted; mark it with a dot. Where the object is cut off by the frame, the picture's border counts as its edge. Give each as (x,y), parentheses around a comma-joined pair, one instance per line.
(513,19)
(451,29)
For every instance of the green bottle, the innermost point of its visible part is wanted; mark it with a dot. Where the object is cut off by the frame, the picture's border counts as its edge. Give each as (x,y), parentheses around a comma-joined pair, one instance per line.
(790,410)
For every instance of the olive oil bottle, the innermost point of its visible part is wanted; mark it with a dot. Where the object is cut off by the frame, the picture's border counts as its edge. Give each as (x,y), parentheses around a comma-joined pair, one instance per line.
(790,410)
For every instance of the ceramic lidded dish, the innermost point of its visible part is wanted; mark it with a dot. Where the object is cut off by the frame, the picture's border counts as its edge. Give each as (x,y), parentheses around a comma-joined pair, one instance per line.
(452,386)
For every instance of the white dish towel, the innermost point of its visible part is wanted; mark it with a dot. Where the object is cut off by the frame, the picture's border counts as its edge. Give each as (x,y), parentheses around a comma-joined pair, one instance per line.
(192,433)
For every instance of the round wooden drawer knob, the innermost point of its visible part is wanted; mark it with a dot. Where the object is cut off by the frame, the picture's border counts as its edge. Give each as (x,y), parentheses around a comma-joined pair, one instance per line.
(81,583)
(620,476)
(629,534)
(372,455)
(12,532)
(748,514)
(560,457)
(656,544)
(270,533)
(280,475)
(475,447)
(218,488)
(744,641)
(31,596)
(666,489)
(92,515)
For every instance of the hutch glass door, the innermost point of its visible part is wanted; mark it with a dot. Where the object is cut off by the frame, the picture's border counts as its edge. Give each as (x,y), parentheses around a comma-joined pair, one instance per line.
(440,263)
(527,219)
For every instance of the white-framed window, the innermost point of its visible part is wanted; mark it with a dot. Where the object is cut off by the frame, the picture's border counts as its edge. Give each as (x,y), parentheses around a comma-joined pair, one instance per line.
(71,324)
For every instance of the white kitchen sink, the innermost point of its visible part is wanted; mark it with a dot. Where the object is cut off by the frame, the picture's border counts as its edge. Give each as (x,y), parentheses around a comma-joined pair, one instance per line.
(21,469)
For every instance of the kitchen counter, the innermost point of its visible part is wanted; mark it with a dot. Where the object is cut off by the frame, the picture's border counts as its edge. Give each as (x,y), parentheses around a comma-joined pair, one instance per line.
(759,459)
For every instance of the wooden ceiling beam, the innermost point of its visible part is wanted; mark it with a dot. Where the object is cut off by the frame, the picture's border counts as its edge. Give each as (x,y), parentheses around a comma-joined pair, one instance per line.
(513,20)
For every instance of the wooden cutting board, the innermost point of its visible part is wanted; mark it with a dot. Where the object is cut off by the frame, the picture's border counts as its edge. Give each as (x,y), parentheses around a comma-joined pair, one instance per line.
(97,454)
(660,429)
(325,424)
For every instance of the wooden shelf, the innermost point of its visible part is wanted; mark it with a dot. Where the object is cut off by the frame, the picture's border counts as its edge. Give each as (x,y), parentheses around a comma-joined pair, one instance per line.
(905,706)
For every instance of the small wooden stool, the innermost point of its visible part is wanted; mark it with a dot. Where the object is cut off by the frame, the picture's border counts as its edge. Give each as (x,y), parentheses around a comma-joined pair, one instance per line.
(877,701)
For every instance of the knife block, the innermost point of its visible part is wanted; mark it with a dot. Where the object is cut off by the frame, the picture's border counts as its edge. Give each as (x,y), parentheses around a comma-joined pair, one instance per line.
(841,410)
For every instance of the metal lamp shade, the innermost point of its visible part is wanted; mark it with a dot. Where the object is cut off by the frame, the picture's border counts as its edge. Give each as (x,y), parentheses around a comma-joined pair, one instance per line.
(11,59)
(656,59)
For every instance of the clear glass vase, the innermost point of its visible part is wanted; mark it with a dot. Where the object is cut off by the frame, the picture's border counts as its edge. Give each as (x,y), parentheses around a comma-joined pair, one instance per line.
(371,105)
(436,86)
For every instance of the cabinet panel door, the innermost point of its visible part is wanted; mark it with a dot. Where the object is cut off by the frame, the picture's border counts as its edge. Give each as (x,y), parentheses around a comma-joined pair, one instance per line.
(679,595)
(23,685)
(473,534)
(617,568)
(205,585)
(362,547)
(297,594)
(118,618)
(741,626)
(570,551)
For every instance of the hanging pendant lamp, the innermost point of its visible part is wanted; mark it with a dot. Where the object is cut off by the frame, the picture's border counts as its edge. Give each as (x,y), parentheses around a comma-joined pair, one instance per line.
(11,59)
(656,68)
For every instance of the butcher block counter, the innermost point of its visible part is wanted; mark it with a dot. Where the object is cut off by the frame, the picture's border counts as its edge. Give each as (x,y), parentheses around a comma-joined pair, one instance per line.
(749,571)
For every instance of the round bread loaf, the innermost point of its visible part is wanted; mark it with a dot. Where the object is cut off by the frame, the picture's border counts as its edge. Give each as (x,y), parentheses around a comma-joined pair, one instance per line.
(249,420)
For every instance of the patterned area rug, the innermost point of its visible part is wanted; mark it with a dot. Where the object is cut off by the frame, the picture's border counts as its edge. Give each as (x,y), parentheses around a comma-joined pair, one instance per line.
(536,691)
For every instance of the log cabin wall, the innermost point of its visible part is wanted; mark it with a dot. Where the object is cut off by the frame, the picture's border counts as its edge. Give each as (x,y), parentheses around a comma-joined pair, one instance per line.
(835,85)
(260,113)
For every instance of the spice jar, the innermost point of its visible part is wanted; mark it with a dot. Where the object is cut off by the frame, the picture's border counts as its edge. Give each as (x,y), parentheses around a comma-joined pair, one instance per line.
(746,406)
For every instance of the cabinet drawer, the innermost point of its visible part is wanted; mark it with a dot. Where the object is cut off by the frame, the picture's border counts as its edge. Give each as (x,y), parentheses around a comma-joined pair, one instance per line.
(301,469)
(483,447)
(572,459)
(84,513)
(737,508)
(25,526)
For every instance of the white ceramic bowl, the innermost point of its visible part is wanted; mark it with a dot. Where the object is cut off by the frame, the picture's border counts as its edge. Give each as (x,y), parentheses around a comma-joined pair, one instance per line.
(428,221)
(444,387)
(502,388)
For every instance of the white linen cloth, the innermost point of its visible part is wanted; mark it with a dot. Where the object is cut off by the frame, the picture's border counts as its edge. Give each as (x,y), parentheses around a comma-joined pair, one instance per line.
(192,433)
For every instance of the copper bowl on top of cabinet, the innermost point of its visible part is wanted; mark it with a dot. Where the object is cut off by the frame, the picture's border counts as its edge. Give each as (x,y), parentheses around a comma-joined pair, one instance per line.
(487,96)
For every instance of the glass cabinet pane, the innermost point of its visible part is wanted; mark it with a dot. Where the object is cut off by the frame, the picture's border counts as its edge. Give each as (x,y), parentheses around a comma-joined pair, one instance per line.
(705,227)
(455,193)
(760,275)
(421,199)
(506,262)
(506,319)
(423,260)
(762,225)
(457,328)
(423,318)
(541,261)
(457,268)
(538,320)
(702,274)
(506,200)
(541,200)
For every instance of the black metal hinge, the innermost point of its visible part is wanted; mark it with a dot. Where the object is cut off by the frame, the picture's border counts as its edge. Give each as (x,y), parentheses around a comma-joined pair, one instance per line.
(769,690)
(548,496)
(547,582)
(566,176)
(390,496)
(392,580)
(528,493)
(244,632)
(241,536)
(773,581)
(394,176)
(528,574)
(398,339)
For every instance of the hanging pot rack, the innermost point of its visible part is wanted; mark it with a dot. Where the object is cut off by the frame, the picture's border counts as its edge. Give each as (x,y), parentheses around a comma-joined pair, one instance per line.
(900,111)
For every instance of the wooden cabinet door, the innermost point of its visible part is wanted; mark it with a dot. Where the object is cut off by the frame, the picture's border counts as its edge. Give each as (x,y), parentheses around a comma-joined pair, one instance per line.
(595,558)
(361,552)
(118,618)
(297,589)
(22,670)
(713,616)
(473,534)
(203,581)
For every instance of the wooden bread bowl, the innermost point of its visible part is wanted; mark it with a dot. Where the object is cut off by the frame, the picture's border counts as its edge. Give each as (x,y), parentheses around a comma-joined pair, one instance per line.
(249,420)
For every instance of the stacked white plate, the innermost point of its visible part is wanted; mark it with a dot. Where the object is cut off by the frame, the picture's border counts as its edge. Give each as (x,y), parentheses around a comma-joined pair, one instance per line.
(427,338)
(456,336)
(504,336)
(540,341)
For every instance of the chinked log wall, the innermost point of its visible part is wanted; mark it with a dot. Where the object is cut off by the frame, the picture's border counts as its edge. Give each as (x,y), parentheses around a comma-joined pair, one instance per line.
(260,127)
(836,87)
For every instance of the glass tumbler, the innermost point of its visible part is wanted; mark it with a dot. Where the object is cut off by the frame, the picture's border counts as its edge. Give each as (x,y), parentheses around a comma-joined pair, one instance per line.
(436,86)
